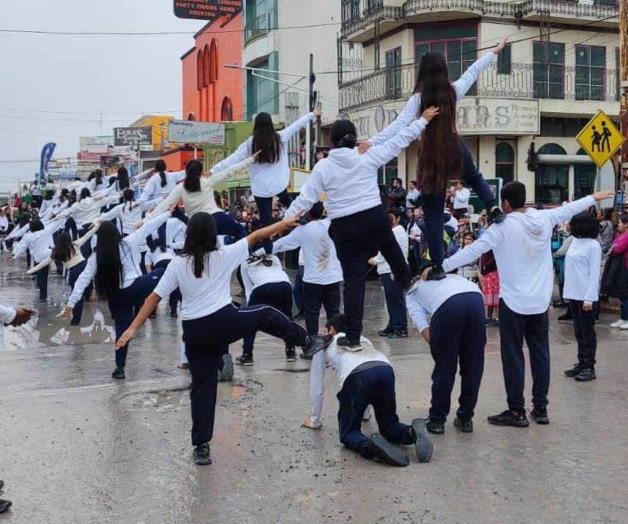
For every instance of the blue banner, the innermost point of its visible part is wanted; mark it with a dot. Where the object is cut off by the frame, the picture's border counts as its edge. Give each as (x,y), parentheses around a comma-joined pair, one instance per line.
(46,155)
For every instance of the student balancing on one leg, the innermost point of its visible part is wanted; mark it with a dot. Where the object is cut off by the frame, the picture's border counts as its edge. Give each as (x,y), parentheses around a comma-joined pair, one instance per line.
(366,378)
(359,224)
(210,321)
(522,248)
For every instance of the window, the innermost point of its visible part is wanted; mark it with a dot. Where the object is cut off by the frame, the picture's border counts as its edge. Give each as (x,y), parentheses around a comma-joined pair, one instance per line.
(549,70)
(200,71)
(504,61)
(590,70)
(262,94)
(612,3)
(552,180)
(393,74)
(505,162)
(387,173)
(259,16)
(583,178)
(226,112)
(206,66)
(617,82)
(457,44)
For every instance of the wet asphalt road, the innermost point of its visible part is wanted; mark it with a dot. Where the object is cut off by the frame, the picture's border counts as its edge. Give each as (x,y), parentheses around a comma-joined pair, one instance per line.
(77,447)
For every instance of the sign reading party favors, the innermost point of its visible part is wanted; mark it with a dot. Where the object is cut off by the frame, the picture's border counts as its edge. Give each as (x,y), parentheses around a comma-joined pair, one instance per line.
(206,9)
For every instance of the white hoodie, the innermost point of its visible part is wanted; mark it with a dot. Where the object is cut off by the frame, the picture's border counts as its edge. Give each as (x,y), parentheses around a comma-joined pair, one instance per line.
(522,248)
(349,179)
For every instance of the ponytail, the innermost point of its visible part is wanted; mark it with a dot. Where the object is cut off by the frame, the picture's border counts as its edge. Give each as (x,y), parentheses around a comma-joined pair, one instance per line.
(160,167)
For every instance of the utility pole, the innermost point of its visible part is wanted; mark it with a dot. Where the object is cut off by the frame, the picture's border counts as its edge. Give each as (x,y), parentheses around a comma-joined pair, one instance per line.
(623,81)
(312,105)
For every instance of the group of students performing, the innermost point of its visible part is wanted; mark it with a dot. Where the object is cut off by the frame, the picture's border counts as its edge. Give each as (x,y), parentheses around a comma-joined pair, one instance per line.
(337,244)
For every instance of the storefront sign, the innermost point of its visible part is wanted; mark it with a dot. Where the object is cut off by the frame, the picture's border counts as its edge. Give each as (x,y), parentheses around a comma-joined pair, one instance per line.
(188,132)
(133,136)
(96,144)
(475,116)
(206,9)
(89,156)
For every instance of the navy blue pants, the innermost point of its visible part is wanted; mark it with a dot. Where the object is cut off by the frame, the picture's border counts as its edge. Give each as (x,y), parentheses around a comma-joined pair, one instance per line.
(395,303)
(584,329)
(73,274)
(175,296)
(208,338)
(513,329)
(357,238)
(71,228)
(265,208)
(457,337)
(227,225)
(374,386)
(316,296)
(42,281)
(126,303)
(297,291)
(434,205)
(275,294)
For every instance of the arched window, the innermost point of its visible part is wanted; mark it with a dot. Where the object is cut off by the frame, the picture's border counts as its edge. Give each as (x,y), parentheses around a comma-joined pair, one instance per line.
(226,112)
(206,66)
(583,178)
(505,162)
(552,180)
(200,70)
(213,62)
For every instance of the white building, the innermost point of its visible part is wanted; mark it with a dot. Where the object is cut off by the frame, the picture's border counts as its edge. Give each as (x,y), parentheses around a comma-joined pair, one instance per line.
(561,67)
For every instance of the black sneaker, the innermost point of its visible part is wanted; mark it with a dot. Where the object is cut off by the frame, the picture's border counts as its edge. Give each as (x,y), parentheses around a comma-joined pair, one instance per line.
(385,332)
(173,313)
(586,375)
(245,360)
(565,317)
(496,215)
(400,333)
(464,426)
(267,260)
(516,419)
(4,505)
(291,355)
(436,428)
(384,451)
(437,273)
(539,415)
(118,373)
(351,345)
(422,443)
(202,455)
(577,368)
(315,344)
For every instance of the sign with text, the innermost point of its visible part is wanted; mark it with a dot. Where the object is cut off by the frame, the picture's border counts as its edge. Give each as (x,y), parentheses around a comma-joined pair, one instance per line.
(206,9)
(96,144)
(600,139)
(189,132)
(475,116)
(133,136)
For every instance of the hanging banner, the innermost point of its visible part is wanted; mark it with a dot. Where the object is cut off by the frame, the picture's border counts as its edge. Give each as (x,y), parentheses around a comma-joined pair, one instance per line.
(132,136)
(46,154)
(189,132)
(206,9)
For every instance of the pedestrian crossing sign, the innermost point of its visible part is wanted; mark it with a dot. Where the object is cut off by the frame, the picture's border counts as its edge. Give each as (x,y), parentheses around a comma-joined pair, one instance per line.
(600,138)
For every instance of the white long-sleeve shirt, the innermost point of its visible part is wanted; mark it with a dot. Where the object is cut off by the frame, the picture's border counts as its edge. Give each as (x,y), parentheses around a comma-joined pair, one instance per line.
(268,180)
(153,188)
(582,270)
(130,215)
(129,256)
(203,200)
(350,179)
(343,362)
(87,210)
(320,261)
(175,233)
(412,108)
(522,248)
(402,239)
(38,243)
(7,314)
(256,275)
(429,295)
(461,198)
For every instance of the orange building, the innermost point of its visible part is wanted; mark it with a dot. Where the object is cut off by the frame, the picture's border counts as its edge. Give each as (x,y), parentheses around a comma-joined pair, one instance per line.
(211,92)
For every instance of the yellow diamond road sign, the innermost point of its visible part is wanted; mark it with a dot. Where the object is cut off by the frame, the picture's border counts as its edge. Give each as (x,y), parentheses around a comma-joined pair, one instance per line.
(600,138)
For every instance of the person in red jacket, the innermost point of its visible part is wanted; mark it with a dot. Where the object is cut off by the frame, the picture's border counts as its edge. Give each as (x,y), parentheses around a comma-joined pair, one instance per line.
(620,246)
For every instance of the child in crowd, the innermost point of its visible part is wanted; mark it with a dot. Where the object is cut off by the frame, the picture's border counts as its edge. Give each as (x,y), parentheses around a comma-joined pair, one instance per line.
(490,287)
(470,271)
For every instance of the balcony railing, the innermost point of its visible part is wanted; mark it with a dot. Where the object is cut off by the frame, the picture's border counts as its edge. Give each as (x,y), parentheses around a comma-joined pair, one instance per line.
(573,84)
(354,19)
(258,26)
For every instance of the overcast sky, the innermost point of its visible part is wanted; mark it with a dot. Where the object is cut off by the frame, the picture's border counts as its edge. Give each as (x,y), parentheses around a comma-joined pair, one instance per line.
(83,74)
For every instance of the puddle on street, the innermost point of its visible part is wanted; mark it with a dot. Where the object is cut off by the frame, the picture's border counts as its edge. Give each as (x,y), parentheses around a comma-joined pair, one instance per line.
(165,399)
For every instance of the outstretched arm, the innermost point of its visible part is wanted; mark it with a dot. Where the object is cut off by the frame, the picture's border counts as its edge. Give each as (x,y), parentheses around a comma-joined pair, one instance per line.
(217,177)
(171,200)
(272,230)
(317,390)
(470,76)
(471,253)
(291,241)
(408,114)
(239,155)
(296,126)
(310,194)
(45,262)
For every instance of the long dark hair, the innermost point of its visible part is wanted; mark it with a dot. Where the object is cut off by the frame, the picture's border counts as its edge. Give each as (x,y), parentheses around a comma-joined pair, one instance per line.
(160,167)
(36,225)
(123,178)
(193,172)
(343,134)
(85,193)
(266,140)
(128,196)
(200,239)
(109,271)
(440,158)
(64,248)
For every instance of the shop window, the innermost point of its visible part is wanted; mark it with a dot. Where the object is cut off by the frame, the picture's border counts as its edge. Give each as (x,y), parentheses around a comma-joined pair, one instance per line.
(549,70)
(590,72)
(504,61)
(393,74)
(583,178)
(226,112)
(505,162)
(552,180)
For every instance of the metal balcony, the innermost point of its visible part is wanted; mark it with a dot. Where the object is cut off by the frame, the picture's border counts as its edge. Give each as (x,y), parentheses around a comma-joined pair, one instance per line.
(573,84)
(259,25)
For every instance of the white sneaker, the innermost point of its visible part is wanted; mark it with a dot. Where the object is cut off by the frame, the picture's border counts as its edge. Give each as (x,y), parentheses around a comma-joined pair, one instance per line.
(617,324)
(624,326)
